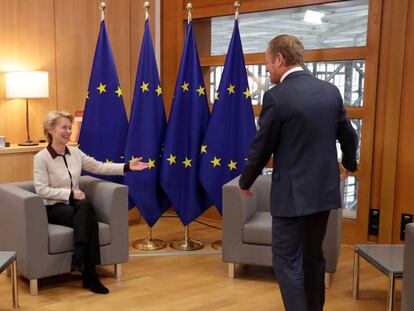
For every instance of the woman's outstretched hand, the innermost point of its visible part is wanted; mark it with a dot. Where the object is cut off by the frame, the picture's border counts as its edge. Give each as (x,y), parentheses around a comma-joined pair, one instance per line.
(137,165)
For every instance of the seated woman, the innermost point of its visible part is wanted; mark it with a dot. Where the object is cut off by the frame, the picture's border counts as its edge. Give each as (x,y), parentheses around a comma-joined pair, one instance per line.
(57,170)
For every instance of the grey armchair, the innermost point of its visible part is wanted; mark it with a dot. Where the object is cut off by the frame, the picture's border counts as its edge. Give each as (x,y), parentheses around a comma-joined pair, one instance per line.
(247,228)
(408,270)
(45,249)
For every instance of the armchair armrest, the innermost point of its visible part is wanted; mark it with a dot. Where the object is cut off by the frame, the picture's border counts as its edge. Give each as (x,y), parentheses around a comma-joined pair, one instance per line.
(110,201)
(23,226)
(108,198)
(237,210)
(408,269)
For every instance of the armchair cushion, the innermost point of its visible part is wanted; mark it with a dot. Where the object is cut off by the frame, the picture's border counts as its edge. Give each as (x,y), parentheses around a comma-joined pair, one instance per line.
(258,230)
(61,237)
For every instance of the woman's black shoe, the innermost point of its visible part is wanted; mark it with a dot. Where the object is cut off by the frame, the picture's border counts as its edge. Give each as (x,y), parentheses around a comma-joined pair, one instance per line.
(94,285)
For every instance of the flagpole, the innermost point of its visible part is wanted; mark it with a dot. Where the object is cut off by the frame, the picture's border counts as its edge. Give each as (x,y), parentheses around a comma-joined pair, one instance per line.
(102,7)
(149,244)
(219,244)
(147,7)
(187,244)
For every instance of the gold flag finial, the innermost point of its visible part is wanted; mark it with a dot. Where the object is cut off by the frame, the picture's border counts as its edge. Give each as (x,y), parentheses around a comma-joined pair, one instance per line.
(102,7)
(147,7)
(189,8)
(237,6)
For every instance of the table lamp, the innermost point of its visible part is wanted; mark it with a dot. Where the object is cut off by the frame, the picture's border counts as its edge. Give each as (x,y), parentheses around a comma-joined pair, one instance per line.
(27,84)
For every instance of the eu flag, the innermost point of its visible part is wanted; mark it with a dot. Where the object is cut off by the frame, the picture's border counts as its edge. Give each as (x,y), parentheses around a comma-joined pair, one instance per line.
(231,127)
(146,132)
(105,124)
(186,126)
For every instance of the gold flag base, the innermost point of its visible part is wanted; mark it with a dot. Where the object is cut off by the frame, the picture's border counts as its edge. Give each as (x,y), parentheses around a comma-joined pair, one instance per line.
(149,244)
(218,245)
(187,244)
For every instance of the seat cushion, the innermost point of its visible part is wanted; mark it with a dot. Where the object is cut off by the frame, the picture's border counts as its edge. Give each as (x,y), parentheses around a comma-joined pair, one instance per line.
(258,230)
(61,237)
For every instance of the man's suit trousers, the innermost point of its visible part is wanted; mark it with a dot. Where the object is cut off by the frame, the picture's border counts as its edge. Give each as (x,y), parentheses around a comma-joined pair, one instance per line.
(298,260)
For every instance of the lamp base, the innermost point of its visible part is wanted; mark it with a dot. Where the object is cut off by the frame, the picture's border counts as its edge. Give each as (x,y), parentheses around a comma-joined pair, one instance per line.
(28,143)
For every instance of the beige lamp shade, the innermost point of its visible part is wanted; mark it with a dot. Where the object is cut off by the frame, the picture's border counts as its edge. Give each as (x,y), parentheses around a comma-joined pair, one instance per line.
(27,84)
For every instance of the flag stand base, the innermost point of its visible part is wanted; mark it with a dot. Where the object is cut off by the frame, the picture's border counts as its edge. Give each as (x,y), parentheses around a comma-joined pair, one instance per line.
(187,244)
(218,245)
(149,244)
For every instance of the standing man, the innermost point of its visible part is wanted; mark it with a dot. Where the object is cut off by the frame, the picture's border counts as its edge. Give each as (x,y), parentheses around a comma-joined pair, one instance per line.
(301,119)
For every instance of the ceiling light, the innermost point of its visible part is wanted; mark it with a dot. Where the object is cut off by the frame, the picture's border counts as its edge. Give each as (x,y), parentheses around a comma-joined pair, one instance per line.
(313,17)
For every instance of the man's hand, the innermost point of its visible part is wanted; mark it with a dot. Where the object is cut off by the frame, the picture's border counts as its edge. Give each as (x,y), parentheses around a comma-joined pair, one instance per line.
(343,172)
(137,165)
(78,195)
(246,193)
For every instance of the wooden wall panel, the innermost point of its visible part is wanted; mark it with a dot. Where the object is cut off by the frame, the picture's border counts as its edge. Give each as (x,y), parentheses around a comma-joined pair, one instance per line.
(27,42)
(77,29)
(60,37)
(404,185)
(391,68)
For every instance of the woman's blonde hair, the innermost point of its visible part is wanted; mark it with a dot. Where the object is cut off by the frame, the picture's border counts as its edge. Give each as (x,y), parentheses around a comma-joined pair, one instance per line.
(51,120)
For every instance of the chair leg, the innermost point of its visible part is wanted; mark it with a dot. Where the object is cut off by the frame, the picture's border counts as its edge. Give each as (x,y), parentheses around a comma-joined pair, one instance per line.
(33,287)
(118,271)
(328,279)
(232,270)
(8,271)
(15,290)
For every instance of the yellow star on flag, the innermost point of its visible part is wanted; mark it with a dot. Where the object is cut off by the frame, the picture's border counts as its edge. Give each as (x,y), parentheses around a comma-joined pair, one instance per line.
(247,93)
(187,162)
(119,92)
(87,95)
(133,158)
(158,90)
(101,88)
(185,86)
(231,89)
(171,159)
(151,163)
(200,91)
(217,96)
(216,162)
(203,149)
(232,165)
(108,161)
(144,87)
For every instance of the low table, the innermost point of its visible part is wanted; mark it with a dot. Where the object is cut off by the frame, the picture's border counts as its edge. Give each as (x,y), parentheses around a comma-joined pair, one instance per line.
(9,259)
(388,258)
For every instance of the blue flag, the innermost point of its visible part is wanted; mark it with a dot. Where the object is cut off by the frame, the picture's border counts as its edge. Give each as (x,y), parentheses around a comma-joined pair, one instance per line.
(146,132)
(231,127)
(186,126)
(105,124)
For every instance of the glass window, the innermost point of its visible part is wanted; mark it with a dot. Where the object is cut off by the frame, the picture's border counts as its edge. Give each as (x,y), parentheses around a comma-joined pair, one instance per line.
(330,25)
(350,197)
(348,76)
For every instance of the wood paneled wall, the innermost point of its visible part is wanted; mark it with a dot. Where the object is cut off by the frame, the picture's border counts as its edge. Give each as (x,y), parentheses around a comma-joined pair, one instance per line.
(60,37)
(404,185)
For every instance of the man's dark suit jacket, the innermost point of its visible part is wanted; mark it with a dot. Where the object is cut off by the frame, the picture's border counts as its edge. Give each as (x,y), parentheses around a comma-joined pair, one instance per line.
(301,119)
